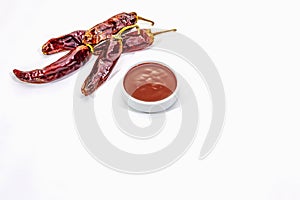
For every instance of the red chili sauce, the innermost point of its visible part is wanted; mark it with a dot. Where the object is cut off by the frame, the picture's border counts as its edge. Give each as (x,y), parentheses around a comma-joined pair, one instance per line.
(150,82)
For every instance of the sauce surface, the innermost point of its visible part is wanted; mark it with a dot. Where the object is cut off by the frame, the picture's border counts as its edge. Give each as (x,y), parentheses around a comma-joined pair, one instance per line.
(151,92)
(150,81)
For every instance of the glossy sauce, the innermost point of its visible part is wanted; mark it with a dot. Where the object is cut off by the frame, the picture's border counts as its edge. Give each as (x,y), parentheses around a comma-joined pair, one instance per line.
(150,82)
(152,92)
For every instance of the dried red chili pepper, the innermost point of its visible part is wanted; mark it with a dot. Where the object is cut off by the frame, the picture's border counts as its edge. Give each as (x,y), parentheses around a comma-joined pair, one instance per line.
(62,67)
(113,25)
(92,36)
(109,52)
(66,42)
(133,41)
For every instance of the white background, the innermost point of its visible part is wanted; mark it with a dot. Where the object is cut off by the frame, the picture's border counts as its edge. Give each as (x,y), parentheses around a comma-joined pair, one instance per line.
(255,46)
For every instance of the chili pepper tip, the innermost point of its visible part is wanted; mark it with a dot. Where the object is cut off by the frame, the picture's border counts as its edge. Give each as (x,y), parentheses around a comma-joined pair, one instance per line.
(45,53)
(84,92)
(19,74)
(16,72)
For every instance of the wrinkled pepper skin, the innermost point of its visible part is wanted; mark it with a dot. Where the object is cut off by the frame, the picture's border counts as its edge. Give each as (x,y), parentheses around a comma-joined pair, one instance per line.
(63,43)
(132,41)
(109,52)
(106,29)
(103,66)
(60,68)
(94,35)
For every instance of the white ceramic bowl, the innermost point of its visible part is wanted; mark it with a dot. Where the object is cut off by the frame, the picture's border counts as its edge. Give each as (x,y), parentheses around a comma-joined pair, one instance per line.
(154,73)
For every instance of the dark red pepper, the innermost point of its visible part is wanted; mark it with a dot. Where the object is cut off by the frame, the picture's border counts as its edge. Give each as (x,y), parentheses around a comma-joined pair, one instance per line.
(66,42)
(103,66)
(109,52)
(113,25)
(60,68)
(94,35)
(80,43)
